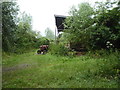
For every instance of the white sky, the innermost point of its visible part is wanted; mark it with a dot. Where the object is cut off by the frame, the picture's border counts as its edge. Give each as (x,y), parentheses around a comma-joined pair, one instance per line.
(42,11)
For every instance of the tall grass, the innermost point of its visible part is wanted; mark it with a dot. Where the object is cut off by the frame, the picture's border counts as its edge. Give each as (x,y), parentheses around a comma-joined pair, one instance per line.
(51,71)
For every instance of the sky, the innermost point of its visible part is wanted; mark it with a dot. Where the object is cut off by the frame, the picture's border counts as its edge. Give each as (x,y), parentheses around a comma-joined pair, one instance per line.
(43,11)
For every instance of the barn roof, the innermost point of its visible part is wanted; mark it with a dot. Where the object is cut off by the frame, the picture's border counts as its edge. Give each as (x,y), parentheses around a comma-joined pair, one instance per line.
(59,20)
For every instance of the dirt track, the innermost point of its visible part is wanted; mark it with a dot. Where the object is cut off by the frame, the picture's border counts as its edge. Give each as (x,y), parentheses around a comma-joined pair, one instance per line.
(17,67)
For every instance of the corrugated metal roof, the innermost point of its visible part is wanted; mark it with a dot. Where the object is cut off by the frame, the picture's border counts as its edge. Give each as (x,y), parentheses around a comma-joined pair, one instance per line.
(60,16)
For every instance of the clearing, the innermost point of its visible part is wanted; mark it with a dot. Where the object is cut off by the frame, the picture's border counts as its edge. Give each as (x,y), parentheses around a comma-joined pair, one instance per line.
(48,71)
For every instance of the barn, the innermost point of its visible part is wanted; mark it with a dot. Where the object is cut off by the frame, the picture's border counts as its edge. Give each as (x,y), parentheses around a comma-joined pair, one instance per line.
(59,20)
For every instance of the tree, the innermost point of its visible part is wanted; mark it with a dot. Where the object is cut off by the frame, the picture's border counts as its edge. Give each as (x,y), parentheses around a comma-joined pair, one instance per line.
(38,34)
(95,27)
(79,23)
(49,34)
(9,15)
(26,37)
(106,28)
(17,33)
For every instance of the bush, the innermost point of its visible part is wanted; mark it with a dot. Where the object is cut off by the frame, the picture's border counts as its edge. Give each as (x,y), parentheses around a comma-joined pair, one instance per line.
(107,62)
(97,32)
(58,49)
(41,41)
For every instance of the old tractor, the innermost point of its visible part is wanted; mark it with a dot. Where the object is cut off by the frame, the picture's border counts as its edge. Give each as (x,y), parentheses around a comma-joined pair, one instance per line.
(42,49)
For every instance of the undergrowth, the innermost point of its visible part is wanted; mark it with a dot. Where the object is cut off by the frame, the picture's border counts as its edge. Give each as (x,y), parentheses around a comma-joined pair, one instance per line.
(51,71)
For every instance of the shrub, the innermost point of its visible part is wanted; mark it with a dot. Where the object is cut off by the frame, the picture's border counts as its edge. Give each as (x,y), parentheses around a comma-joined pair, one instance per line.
(95,28)
(58,49)
(107,62)
(41,41)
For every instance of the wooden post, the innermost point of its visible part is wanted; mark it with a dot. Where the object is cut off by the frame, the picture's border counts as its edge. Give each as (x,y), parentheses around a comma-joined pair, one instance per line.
(55,35)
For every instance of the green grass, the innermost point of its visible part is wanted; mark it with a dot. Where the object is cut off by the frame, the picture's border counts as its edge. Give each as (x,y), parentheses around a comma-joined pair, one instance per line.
(48,71)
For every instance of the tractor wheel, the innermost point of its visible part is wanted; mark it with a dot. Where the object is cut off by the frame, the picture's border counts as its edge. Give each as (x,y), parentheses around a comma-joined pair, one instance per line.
(38,51)
(44,52)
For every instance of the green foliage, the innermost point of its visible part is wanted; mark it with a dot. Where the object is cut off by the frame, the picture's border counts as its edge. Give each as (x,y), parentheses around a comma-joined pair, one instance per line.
(41,41)
(62,39)
(58,49)
(49,34)
(113,67)
(95,27)
(25,37)
(105,29)
(17,33)
(9,14)
(79,23)
(109,65)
